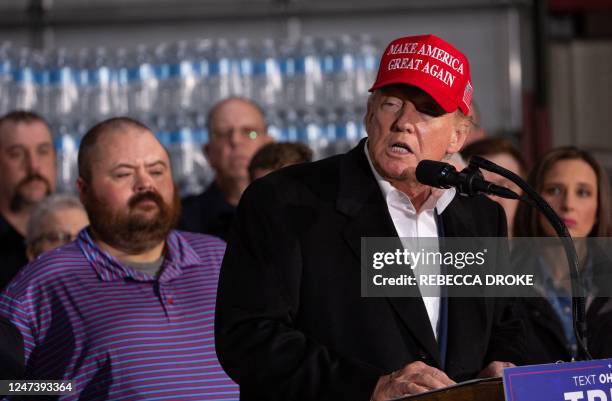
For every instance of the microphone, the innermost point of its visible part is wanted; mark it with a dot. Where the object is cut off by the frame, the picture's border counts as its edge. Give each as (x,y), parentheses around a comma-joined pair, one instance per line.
(469,181)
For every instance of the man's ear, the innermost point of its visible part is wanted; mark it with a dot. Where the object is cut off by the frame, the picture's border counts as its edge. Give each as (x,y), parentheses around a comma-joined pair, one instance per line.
(459,135)
(82,188)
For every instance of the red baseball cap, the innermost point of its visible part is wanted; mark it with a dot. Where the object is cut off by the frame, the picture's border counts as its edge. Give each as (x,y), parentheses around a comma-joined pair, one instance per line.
(431,64)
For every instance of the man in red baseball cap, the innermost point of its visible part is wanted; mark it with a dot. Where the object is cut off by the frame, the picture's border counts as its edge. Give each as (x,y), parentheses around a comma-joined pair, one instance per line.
(291,323)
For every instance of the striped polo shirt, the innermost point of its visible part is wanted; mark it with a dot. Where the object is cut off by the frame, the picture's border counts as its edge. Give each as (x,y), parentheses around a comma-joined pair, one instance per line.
(119,333)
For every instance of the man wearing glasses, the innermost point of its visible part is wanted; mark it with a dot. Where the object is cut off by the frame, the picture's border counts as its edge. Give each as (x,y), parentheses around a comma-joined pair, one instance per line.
(56,221)
(236,130)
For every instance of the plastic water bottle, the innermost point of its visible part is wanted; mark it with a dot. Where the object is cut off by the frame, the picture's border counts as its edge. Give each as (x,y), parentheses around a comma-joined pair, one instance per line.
(60,91)
(66,140)
(312,134)
(120,83)
(100,81)
(203,170)
(203,56)
(366,65)
(330,64)
(291,126)
(242,70)
(6,61)
(345,74)
(330,125)
(275,123)
(162,73)
(348,130)
(267,77)
(288,65)
(183,149)
(183,78)
(220,72)
(142,81)
(308,71)
(24,92)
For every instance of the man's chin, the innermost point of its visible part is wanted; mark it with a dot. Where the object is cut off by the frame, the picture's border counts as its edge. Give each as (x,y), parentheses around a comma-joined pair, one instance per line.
(27,199)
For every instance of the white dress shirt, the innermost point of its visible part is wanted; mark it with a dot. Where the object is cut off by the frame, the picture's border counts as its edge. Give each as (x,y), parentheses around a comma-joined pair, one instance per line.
(410,224)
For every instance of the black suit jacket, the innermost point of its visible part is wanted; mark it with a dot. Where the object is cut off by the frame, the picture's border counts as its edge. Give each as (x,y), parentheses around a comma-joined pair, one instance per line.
(290,321)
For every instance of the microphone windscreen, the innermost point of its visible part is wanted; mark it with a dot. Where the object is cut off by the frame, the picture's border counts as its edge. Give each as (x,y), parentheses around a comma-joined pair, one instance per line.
(434,173)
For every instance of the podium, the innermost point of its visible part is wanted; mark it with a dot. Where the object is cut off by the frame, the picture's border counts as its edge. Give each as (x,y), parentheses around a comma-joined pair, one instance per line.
(490,389)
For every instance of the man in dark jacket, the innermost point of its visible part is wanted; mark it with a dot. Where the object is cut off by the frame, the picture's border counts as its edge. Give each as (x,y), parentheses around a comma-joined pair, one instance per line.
(27,176)
(291,323)
(236,130)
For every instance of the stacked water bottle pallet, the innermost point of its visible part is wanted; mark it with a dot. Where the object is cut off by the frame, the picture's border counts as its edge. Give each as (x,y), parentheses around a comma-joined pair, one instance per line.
(312,90)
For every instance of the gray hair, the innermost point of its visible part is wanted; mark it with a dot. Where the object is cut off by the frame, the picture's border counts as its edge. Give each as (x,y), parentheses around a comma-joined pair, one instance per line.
(47,206)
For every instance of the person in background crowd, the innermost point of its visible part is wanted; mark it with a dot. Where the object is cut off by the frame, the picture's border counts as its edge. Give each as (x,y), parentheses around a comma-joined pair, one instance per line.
(500,151)
(577,189)
(291,322)
(476,132)
(274,156)
(236,130)
(55,221)
(11,351)
(130,302)
(27,175)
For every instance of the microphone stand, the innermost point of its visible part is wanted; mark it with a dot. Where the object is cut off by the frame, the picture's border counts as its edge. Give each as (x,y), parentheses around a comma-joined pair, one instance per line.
(534,199)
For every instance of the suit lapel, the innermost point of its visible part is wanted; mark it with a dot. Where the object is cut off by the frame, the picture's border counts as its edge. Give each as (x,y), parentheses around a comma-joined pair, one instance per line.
(360,198)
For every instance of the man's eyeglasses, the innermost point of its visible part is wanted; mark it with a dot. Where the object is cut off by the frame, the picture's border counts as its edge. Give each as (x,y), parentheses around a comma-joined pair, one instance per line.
(54,237)
(225,135)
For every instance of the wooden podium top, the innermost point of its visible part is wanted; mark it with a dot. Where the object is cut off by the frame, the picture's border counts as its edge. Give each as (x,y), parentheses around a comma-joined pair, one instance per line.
(489,389)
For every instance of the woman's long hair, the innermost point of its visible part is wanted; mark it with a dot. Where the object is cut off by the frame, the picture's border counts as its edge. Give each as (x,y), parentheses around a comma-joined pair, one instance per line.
(526,221)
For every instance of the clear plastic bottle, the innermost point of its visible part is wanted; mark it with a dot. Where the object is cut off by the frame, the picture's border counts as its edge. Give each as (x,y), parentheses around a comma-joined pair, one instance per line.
(60,92)
(330,64)
(121,88)
(366,65)
(203,56)
(312,133)
(330,125)
(24,89)
(345,74)
(288,64)
(348,130)
(66,139)
(100,81)
(143,83)
(267,76)
(308,71)
(203,170)
(291,126)
(184,151)
(162,73)
(275,123)
(220,72)
(183,78)
(242,69)
(6,61)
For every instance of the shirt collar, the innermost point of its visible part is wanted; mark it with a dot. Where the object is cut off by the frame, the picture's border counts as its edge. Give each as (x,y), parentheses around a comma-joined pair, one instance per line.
(439,198)
(178,254)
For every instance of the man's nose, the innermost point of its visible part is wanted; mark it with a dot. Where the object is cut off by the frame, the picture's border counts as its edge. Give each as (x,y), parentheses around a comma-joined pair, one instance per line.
(143,182)
(407,118)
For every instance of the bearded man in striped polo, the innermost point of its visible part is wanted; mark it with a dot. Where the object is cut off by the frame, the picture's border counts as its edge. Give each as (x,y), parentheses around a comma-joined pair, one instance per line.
(126,310)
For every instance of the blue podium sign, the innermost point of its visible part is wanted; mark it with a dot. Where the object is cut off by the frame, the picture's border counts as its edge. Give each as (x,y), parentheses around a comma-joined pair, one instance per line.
(574,381)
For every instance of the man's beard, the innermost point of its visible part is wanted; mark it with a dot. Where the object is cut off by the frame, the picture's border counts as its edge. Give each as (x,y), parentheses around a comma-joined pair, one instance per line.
(133,233)
(18,202)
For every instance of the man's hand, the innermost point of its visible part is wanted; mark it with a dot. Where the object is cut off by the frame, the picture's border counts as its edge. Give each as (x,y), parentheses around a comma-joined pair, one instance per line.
(413,378)
(495,369)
